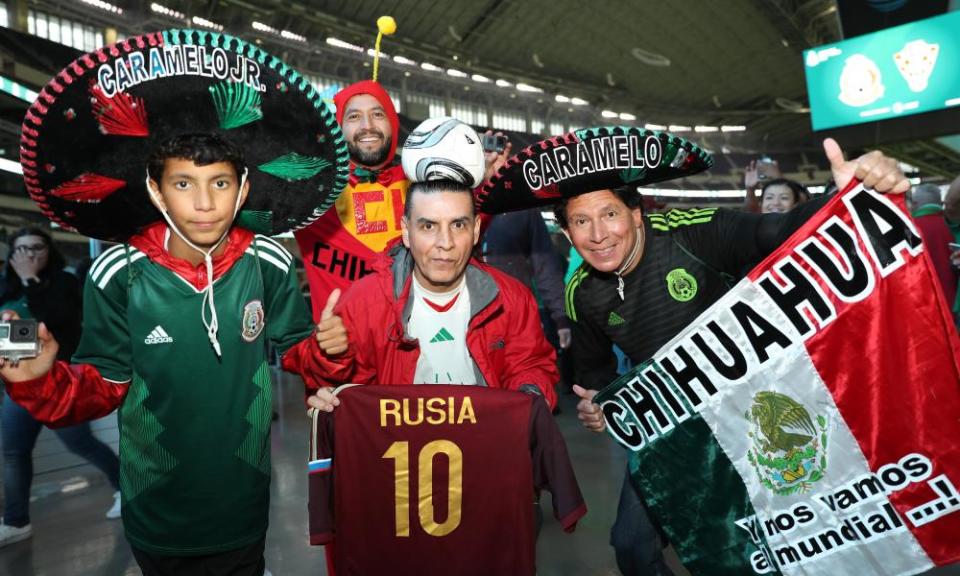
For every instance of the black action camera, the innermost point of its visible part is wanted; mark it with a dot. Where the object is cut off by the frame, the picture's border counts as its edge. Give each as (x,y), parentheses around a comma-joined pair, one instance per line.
(494,143)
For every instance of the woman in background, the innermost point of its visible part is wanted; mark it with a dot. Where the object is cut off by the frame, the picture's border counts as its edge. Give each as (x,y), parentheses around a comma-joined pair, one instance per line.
(37,286)
(777,194)
(781,195)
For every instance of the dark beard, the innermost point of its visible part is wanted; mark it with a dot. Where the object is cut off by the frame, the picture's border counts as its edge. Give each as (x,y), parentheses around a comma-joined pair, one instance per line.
(374,158)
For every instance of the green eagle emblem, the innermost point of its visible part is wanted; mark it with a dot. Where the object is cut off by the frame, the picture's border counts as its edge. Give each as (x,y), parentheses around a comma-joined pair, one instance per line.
(681,285)
(789,446)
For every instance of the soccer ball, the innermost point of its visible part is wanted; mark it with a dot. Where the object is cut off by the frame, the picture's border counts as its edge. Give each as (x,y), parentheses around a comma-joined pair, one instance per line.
(443,149)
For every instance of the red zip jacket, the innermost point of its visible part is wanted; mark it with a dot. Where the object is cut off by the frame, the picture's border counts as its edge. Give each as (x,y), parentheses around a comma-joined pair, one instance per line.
(504,337)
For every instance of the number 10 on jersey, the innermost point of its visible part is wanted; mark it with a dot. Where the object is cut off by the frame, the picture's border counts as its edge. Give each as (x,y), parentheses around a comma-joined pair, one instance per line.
(399,452)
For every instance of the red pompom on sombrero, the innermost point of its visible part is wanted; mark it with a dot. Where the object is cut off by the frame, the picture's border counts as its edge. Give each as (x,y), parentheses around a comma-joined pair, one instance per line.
(586,160)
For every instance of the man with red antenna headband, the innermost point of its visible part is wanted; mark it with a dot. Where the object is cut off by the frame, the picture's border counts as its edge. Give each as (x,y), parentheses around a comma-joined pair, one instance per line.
(341,246)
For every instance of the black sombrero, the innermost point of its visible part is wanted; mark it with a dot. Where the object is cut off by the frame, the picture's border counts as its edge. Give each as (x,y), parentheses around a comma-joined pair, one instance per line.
(587,160)
(86,139)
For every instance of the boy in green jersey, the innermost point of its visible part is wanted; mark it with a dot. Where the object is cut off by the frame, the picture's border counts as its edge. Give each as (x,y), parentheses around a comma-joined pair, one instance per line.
(178,318)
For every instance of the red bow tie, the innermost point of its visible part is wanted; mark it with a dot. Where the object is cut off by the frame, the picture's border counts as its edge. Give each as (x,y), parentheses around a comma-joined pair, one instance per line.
(383,177)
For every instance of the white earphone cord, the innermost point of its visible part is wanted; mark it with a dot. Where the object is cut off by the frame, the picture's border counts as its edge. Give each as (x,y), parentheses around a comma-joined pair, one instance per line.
(626,263)
(214,324)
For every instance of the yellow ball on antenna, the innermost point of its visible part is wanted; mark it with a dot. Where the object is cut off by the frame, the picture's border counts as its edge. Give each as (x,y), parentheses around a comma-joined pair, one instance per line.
(386,25)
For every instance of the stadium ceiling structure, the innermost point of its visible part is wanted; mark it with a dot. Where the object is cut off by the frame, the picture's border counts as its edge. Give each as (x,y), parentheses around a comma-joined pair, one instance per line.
(681,63)
(731,63)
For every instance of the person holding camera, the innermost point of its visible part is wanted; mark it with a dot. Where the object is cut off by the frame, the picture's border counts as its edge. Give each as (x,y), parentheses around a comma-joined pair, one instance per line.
(37,286)
(777,194)
(755,176)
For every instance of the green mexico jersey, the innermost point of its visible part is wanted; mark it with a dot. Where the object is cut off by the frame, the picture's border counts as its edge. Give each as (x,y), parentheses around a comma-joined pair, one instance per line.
(194,428)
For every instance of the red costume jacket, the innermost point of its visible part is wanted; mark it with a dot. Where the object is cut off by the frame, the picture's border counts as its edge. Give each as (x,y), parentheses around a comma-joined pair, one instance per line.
(342,245)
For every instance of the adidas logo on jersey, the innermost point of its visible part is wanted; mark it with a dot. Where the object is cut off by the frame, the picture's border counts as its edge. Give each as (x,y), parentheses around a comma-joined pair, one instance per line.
(158,336)
(442,336)
(615,320)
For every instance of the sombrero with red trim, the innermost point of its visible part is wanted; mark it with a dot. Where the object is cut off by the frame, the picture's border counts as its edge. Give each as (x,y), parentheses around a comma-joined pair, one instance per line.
(587,160)
(86,139)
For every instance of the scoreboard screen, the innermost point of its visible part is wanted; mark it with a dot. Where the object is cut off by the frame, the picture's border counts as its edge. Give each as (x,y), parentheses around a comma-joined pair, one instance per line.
(896,72)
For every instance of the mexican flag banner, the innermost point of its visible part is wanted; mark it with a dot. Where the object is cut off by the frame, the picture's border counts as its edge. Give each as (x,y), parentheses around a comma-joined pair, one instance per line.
(809,421)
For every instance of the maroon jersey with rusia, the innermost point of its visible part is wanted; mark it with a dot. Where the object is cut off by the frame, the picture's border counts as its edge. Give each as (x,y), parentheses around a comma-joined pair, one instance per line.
(435,479)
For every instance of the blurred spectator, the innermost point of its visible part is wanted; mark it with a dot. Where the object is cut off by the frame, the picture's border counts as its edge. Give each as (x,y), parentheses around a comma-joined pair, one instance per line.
(756,174)
(951,203)
(927,210)
(519,244)
(781,195)
(82,269)
(951,209)
(574,261)
(4,251)
(38,287)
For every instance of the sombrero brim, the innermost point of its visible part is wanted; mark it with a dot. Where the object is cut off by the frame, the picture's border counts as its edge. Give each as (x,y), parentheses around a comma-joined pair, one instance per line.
(586,160)
(86,139)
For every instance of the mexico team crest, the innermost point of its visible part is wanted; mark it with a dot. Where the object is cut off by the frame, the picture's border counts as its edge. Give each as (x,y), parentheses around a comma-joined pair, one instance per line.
(252,322)
(789,447)
(681,285)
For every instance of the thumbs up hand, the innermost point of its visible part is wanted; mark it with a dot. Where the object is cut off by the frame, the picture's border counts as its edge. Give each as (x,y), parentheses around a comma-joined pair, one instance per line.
(876,171)
(331,333)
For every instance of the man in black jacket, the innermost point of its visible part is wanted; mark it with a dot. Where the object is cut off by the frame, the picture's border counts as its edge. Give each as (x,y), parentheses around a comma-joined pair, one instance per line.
(646,277)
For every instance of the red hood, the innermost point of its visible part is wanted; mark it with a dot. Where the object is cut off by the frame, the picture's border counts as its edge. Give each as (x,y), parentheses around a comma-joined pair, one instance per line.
(150,241)
(374,89)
